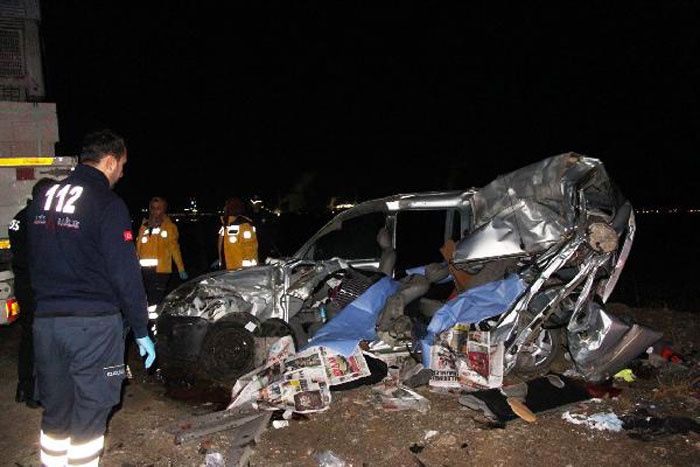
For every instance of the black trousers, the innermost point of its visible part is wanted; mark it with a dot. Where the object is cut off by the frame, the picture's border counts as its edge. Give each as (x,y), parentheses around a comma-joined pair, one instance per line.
(155,284)
(25,360)
(79,370)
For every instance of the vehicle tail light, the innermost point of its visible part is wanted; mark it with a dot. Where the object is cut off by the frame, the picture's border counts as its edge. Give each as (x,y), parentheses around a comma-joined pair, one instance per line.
(11,309)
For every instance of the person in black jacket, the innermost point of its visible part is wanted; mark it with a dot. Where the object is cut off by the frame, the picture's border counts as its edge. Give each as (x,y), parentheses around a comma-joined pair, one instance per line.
(84,271)
(17,231)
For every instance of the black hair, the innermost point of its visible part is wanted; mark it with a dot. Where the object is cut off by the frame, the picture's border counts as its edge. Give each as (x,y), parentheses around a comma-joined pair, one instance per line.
(40,186)
(234,206)
(102,143)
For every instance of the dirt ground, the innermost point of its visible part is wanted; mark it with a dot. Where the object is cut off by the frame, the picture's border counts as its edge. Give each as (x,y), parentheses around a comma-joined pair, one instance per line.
(361,435)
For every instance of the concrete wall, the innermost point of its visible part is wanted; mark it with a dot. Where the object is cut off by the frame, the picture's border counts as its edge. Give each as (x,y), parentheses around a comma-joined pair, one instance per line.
(28,129)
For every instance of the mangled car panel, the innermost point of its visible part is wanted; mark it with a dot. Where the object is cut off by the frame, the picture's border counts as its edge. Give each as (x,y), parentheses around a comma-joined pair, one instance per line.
(551,238)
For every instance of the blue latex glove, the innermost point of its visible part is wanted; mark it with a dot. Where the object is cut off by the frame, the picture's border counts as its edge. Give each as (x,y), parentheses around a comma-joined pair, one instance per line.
(183,275)
(146,347)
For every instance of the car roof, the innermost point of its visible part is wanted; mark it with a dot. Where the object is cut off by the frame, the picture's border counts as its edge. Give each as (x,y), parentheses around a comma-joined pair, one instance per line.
(395,203)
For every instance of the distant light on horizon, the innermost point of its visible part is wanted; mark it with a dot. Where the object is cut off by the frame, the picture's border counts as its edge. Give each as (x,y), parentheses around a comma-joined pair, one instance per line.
(667,211)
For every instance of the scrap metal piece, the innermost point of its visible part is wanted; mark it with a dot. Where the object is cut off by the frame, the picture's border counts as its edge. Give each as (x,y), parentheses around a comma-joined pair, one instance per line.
(305,285)
(601,344)
(250,431)
(606,287)
(203,425)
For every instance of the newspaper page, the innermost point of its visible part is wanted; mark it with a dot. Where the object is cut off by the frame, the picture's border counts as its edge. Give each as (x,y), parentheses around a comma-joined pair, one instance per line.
(456,338)
(302,391)
(248,386)
(307,359)
(280,350)
(445,355)
(340,369)
(483,365)
(443,362)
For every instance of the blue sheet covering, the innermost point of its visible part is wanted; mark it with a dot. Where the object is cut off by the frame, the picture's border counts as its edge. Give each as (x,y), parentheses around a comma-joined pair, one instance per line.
(355,322)
(472,306)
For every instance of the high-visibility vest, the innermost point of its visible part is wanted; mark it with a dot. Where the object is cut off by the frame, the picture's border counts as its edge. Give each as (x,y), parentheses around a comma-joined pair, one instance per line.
(238,243)
(158,246)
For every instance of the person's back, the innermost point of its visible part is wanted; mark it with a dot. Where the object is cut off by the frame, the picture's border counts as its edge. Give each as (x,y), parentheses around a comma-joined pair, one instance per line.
(84,271)
(238,241)
(68,268)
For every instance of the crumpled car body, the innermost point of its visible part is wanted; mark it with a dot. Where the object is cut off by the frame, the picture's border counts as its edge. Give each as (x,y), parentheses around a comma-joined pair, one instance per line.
(560,225)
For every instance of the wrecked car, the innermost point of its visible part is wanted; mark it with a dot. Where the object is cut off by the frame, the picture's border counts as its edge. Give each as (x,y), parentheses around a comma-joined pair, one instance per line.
(527,262)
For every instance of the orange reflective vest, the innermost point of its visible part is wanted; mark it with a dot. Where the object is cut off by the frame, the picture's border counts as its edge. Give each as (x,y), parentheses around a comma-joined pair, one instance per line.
(238,243)
(158,246)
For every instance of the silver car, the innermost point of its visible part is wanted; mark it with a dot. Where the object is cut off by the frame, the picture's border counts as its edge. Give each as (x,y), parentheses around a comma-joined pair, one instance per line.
(560,224)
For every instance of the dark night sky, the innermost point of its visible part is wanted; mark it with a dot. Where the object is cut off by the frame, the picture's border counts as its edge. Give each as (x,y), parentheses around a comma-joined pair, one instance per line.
(369,102)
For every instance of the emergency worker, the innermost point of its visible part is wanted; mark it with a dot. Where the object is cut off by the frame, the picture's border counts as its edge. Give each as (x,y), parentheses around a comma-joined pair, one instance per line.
(157,247)
(84,270)
(17,231)
(238,242)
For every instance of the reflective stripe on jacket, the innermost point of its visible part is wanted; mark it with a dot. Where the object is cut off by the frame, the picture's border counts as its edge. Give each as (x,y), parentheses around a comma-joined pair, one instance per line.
(158,246)
(238,243)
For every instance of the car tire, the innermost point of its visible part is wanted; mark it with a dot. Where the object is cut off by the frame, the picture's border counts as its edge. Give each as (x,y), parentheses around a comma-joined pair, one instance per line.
(228,352)
(547,348)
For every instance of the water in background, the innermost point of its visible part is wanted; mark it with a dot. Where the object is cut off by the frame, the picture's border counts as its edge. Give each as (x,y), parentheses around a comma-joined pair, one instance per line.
(662,270)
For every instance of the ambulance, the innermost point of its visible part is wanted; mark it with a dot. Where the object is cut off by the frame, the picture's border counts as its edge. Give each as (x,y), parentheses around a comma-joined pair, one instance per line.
(28,134)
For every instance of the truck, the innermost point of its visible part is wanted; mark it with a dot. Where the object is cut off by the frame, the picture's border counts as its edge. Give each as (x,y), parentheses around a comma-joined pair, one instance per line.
(28,134)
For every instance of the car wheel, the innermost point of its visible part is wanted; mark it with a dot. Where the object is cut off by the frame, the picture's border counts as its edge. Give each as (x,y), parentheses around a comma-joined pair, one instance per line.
(228,352)
(536,358)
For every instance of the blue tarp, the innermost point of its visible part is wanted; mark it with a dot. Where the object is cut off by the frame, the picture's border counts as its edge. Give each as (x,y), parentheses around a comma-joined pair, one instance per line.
(357,321)
(472,306)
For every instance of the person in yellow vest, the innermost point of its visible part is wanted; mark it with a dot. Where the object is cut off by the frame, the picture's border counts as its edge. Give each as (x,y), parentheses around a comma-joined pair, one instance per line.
(157,247)
(238,242)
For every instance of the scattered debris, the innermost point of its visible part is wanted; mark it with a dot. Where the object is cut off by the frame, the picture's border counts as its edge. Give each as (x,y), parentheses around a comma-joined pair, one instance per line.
(626,375)
(416,448)
(328,459)
(277,424)
(214,459)
(598,421)
(203,425)
(391,395)
(603,390)
(541,396)
(555,381)
(521,410)
(430,434)
(643,426)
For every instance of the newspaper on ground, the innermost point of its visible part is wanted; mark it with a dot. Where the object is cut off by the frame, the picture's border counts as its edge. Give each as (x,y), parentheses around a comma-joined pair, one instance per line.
(342,369)
(280,350)
(298,382)
(303,391)
(391,395)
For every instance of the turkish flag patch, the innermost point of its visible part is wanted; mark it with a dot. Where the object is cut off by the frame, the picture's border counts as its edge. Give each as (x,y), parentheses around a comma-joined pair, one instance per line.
(128,236)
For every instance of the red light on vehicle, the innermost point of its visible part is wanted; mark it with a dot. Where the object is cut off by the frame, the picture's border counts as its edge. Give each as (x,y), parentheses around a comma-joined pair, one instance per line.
(11,309)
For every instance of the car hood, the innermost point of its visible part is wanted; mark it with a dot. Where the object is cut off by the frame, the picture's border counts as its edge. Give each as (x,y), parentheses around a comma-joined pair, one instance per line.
(214,295)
